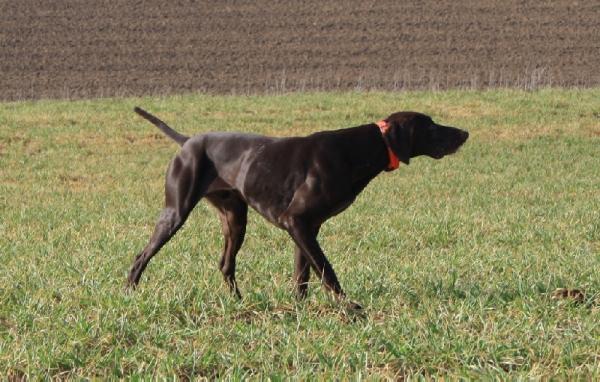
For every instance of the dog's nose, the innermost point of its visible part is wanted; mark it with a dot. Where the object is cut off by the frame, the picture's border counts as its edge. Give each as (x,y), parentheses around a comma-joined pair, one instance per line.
(465,135)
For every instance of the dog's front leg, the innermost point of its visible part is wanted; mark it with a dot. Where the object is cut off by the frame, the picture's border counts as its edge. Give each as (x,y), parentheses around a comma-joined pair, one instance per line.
(306,239)
(301,273)
(302,269)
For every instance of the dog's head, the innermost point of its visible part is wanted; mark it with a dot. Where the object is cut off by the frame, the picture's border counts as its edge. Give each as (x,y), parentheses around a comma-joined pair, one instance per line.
(412,134)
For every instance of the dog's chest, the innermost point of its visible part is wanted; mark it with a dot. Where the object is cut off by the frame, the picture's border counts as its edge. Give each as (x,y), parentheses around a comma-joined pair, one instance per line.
(340,206)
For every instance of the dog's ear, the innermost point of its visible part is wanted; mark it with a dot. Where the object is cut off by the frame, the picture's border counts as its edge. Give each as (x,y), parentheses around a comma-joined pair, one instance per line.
(399,138)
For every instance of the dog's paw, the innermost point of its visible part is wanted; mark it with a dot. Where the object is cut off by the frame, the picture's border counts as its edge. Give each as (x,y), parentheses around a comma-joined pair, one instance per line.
(129,287)
(353,306)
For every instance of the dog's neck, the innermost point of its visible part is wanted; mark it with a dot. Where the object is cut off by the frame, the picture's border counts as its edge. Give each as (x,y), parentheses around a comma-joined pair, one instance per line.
(367,153)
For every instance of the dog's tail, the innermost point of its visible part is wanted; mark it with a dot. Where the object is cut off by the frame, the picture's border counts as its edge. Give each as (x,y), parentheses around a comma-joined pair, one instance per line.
(174,135)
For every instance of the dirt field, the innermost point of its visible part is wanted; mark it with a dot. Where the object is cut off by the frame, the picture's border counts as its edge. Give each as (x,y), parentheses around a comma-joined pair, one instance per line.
(73,49)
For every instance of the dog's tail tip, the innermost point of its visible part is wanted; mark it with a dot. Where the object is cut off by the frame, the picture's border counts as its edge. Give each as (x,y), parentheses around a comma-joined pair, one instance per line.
(174,135)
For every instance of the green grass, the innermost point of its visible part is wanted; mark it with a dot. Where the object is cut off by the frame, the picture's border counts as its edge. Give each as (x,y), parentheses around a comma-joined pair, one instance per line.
(455,260)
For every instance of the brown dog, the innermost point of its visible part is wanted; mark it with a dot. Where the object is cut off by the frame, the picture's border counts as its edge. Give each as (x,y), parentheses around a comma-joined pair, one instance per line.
(295,183)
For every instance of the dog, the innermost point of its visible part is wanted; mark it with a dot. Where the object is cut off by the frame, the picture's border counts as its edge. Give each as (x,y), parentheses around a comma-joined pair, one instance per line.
(296,183)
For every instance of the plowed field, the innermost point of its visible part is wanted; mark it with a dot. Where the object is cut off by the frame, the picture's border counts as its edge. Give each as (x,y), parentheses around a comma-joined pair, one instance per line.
(73,49)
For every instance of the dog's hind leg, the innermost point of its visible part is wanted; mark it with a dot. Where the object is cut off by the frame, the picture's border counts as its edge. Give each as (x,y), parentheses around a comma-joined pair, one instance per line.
(233,212)
(168,224)
(183,190)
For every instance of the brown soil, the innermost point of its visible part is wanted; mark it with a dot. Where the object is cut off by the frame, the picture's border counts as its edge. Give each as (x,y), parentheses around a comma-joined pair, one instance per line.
(72,49)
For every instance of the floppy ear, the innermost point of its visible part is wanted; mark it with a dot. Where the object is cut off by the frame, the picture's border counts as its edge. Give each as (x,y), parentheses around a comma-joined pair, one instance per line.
(399,138)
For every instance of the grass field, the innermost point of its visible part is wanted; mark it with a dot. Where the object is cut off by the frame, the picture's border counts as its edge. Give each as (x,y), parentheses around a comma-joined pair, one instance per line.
(455,261)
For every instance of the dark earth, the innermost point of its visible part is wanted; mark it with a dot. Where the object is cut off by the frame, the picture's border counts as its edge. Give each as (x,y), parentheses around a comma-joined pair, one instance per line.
(75,49)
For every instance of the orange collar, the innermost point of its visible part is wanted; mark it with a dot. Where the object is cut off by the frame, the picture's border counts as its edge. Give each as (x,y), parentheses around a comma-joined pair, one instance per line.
(394,161)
